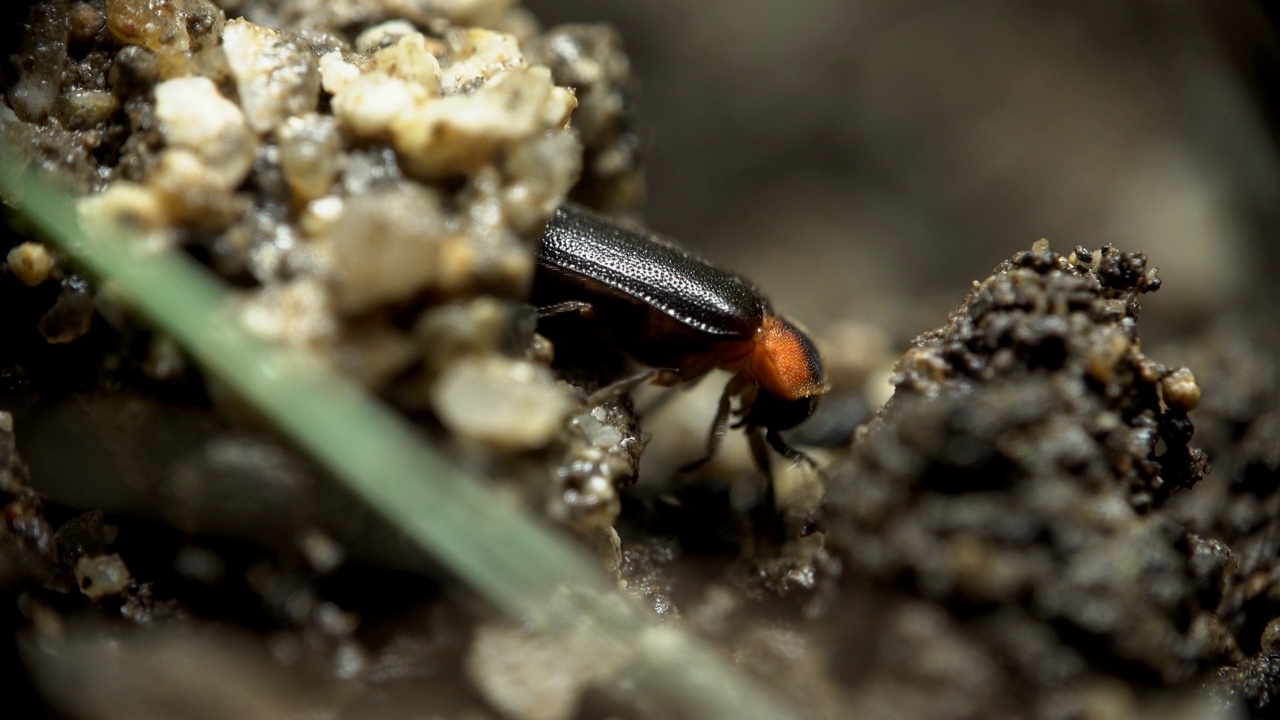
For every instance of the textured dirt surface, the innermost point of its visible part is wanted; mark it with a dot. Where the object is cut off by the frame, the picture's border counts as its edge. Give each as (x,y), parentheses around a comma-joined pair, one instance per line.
(1049,518)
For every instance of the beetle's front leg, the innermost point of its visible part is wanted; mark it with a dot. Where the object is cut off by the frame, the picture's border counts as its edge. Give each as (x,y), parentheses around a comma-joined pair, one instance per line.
(785,449)
(719,424)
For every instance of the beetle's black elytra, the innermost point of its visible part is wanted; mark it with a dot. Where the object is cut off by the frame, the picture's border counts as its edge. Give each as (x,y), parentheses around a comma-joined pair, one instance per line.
(653,271)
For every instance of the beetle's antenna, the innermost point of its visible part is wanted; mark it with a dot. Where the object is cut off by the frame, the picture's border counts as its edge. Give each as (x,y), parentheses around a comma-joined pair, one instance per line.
(570,306)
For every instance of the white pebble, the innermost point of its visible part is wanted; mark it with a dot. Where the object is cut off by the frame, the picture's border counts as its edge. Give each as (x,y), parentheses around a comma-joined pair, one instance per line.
(195,117)
(508,404)
(275,78)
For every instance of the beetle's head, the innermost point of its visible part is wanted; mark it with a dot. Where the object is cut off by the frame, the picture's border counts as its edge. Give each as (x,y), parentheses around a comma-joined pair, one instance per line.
(778,413)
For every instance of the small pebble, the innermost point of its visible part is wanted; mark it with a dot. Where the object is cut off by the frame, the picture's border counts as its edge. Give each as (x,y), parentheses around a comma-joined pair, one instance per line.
(175,26)
(71,314)
(196,118)
(84,21)
(275,78)
(1181,389)
(309,155)
(386,247)
(31,263)
(510,405)
(102,575)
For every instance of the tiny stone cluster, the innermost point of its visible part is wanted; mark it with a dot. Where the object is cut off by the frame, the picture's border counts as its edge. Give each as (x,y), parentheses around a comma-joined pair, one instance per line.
(371,176)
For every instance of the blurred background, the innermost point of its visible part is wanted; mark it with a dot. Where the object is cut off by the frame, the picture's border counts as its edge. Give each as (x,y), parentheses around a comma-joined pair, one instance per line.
(866,160)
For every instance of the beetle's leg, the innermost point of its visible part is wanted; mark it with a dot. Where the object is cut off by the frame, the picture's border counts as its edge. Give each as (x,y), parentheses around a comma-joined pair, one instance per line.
(760,454)
(719,424)
(570,306)
(784,449)
(744,408)
(657,376)
(766,512)
(777,523)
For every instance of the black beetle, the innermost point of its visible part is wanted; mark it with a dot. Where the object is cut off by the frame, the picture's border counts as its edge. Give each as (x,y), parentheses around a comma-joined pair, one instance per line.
(682,316)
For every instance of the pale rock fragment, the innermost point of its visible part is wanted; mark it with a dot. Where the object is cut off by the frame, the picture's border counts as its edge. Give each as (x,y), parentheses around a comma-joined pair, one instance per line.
(134,211)
(471,12)
(183,184)
(478,55)
(386,247)
(326,15)
(296,313)
(491,101)
(469,327)
(459,134)
(1181,389)
(319,216)
(383,35)
(337,73)
(195,117)
(596,461)
(397,80)
(539,669)
(84,22)
(369,104)
(373,352)
(30,262)
(165,26)
(310,153)
(275,78)
(542,172)
(507,404)
(408,59)
(86,108)
(102,575)
(71,314)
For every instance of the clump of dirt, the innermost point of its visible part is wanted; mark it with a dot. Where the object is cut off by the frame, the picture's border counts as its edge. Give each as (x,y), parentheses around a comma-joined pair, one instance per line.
(1018,479)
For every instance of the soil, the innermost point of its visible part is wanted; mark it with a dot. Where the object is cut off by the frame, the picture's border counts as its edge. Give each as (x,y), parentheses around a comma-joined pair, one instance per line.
(1046,516)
